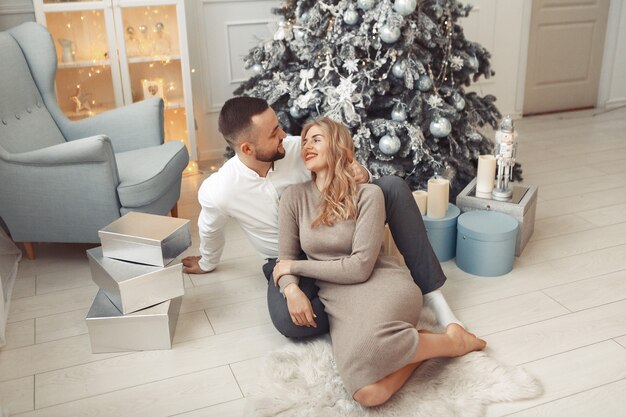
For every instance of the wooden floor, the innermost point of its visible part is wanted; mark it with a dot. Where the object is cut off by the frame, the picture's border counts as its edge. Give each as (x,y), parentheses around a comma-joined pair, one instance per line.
(560,314)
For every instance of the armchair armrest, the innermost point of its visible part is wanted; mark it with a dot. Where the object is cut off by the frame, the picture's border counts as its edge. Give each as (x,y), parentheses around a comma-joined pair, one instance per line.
(135,126)
(71,188)
(87,150)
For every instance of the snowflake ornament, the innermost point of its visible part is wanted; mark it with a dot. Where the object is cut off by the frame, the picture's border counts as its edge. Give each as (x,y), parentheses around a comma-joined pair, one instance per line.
(434,101)
(456,62)
(351,65)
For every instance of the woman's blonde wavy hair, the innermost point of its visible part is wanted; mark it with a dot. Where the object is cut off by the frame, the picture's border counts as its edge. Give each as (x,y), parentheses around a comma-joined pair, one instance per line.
(340,190)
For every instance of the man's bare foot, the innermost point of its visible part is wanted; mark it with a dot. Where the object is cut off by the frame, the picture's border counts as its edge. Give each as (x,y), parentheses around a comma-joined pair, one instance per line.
(463,341)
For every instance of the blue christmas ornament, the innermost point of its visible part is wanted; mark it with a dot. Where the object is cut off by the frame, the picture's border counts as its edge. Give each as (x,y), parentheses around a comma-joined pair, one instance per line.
(440,127)
(365,4)
(389,144)
(459,102)
(296,112)
(398,69)
(389,34)
(257,68)
(405,7)
(398,114)
(351,17)
(424,83)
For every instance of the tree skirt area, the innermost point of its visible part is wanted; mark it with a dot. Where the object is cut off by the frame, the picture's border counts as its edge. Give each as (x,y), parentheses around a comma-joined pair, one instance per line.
(301,380)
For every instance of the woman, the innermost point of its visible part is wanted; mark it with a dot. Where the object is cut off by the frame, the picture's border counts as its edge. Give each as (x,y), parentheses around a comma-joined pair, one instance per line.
(373,305)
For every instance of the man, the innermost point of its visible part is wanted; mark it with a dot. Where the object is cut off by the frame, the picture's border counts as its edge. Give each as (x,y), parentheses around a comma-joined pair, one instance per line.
(248,188)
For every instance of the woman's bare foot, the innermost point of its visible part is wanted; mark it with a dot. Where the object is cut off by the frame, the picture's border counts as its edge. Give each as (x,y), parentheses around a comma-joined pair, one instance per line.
(463,341)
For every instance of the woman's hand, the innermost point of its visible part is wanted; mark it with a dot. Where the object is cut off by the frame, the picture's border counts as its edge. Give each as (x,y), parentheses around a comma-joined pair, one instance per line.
(281,268)
(299,305)
(360,174)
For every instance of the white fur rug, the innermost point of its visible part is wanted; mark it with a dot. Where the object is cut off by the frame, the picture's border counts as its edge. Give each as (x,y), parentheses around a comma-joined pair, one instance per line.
(301,380)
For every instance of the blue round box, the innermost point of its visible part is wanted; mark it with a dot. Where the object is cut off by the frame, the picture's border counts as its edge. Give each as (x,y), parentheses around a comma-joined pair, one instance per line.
(442,233)
(485,244)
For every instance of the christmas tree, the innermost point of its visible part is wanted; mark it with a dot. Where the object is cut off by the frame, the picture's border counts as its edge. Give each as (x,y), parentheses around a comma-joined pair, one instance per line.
(394,72)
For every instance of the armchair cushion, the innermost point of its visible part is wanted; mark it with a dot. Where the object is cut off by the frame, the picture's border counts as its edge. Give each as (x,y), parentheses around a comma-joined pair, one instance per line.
(148,173)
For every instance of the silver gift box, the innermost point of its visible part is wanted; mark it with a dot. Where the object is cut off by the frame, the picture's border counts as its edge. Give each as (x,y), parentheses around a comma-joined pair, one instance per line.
(522,206)
(145,238)
(148,329)
(131,286)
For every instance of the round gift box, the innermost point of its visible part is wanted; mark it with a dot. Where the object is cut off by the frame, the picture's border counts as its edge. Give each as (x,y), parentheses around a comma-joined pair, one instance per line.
(485,243)
(442,233)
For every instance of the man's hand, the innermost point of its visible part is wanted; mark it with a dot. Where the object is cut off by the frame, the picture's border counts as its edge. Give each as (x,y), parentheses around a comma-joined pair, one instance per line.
(299,306)
(360,174)
(191,265)
(281,268)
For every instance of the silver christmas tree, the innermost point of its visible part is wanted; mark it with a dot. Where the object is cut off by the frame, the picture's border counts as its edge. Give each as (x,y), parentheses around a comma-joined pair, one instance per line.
(393,71)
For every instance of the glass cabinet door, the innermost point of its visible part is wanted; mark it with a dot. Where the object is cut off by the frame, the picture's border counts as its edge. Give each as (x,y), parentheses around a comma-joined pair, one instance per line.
(86,79)
(152,64)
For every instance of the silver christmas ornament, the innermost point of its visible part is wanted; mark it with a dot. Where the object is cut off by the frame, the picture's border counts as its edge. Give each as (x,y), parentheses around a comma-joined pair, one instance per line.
(296,112)
(304,17)
(257,68)
(389,144)
(405,7)
(389,34)
(459,102)
(351,17)
(398,114)
(472,62)
(365,4)
(440,127)
(424,83)
(298,34)
(398,69)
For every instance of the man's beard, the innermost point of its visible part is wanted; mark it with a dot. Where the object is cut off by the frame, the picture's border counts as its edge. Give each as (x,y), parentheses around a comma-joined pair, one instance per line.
(269,157)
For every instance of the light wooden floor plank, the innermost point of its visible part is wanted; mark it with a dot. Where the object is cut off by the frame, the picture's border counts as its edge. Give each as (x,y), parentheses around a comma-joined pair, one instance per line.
(19,334)
(239,315)
(558,335)
(509,313)
(16,395)
(157,399)
(590,292)
(139,368)
(606,401)
(229,409)
(570,373)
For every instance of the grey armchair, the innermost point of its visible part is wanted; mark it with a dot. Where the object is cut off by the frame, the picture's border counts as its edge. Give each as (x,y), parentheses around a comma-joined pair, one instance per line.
(62,181)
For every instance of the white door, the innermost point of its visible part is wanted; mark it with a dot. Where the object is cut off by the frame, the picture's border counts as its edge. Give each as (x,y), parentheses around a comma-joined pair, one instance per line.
(564,54)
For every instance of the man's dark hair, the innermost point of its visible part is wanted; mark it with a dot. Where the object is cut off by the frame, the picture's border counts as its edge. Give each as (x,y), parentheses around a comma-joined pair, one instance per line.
(236,116)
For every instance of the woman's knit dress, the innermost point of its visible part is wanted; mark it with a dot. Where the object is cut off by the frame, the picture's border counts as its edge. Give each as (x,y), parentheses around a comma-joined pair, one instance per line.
(373,305)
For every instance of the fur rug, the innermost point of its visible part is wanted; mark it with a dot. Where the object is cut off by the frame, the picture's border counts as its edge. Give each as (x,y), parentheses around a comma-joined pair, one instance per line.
(301,380)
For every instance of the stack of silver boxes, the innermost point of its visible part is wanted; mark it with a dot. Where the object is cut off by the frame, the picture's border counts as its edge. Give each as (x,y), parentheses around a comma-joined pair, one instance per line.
(139,273)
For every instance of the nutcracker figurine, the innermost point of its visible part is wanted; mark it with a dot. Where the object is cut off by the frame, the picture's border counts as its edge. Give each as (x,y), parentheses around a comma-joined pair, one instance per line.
(504,152)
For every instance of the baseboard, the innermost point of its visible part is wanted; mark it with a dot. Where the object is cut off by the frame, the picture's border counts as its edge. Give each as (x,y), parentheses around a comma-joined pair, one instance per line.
(615,103)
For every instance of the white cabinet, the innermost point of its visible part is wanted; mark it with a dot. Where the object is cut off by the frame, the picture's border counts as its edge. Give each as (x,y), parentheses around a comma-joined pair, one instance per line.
(116,52)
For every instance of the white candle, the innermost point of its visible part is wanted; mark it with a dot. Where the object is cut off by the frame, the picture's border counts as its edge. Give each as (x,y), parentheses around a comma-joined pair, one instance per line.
(438,197)
(421,198)
(485,176)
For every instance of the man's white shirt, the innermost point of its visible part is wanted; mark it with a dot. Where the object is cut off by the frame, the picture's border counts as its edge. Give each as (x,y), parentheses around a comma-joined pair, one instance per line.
(237,191)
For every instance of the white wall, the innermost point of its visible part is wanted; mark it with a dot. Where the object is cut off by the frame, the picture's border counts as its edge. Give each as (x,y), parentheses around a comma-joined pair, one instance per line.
(14,12)
(612,89)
